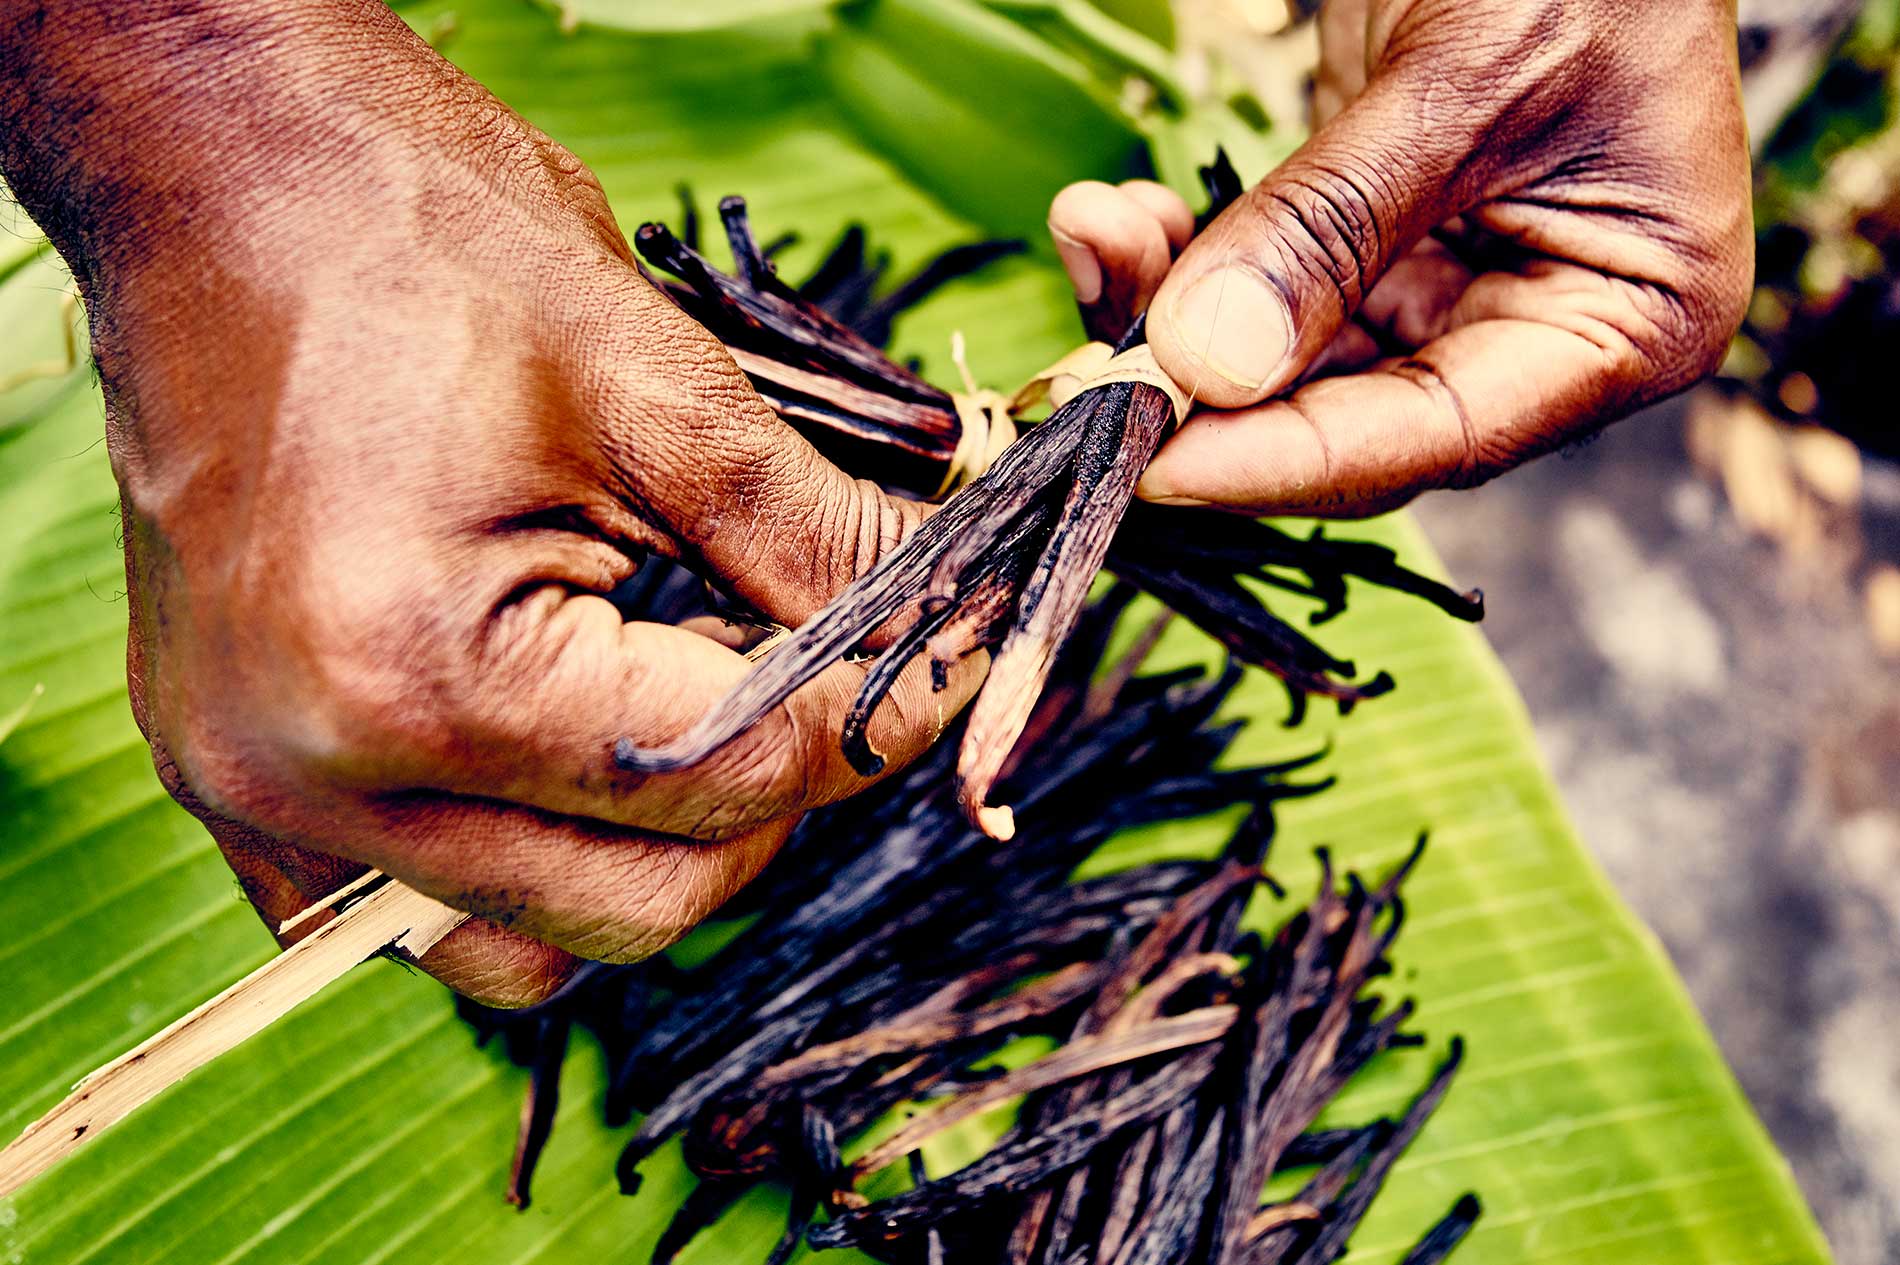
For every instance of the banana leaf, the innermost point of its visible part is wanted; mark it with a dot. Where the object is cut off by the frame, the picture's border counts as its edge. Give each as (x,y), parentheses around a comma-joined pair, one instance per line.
(1150,20)
(666,16)
(1594,1116)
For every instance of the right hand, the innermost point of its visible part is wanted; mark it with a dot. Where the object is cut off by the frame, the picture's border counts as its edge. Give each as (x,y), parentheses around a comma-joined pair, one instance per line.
(1513,224)
(391,410)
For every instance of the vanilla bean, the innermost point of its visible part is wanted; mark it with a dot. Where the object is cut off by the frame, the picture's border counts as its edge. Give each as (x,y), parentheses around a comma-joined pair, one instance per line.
(843,263)
(1447,1234)
(1171,1234)
(1077,1058)
(1173,1136)
(864,607)
(705,1205)
(1124,425)
(1125,1178)
(538,1108)
(1017,1166)
(1280,1228)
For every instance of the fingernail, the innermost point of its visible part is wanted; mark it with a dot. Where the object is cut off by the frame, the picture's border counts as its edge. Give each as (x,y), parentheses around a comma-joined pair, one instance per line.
(1084,269)
(1235,325)
(1161,491)
(1158,494)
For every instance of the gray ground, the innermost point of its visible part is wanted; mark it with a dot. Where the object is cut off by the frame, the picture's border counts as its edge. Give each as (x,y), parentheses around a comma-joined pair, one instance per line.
(1729,742)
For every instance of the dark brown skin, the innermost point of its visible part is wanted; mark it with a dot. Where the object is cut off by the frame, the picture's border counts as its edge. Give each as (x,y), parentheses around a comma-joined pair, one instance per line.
(1517,221)
(391,409)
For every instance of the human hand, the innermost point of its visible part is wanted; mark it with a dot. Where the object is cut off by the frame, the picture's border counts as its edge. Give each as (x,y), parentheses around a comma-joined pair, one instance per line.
(392,410)
(1514,224)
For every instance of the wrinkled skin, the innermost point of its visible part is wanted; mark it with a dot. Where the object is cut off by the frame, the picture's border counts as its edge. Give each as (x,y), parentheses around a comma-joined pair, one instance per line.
(391,410)
(1516,221)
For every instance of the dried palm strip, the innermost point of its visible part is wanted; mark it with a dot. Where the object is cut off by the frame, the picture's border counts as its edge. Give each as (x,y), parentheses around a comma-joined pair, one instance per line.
(391,916)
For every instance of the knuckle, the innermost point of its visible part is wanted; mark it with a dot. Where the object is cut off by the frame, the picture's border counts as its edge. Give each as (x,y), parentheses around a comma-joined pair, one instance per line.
(1730,289)
(666,893)
(170,775)
(527,974)
(863,526)
(529,160)
(769,775)
(1334,222)
(205,753)
(1704,295)
(577,189)
(1687,336)
(209,779)
(209,776)
(805,531)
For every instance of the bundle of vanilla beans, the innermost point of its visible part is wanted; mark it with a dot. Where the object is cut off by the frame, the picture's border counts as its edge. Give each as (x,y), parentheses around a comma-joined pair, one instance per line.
(897,951)
(1008,561)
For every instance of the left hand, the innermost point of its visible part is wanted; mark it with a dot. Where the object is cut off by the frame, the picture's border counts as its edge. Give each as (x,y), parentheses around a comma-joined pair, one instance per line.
(1514,224)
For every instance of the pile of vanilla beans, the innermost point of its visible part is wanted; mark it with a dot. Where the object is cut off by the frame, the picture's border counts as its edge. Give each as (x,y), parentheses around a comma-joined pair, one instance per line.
(897,951)
(1009,560)
(900,954)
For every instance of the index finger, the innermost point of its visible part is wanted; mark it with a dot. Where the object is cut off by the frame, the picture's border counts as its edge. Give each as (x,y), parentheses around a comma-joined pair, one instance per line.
(1528,364)
(532,717)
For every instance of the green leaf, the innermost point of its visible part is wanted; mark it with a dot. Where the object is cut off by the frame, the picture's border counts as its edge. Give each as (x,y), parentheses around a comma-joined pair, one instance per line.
(1153,18)
(1594,1115)
(655,16)
(975,109)
(37,311)
(1112,48)
(19,242)
(11,721)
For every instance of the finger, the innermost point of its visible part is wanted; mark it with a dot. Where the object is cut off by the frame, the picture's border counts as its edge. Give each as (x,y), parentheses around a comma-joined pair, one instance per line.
(503,969)
(1169,209)
(478,959)
(686,441)
(280,879)
(1411,305)
(733,636)
(595,890)
(558,679)
(1447,416)
(1263,290)
(1116,249)
(1499,386)
(543,888)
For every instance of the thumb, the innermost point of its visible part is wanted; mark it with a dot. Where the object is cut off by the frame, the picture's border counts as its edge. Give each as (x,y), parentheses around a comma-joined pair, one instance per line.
(1265,287)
